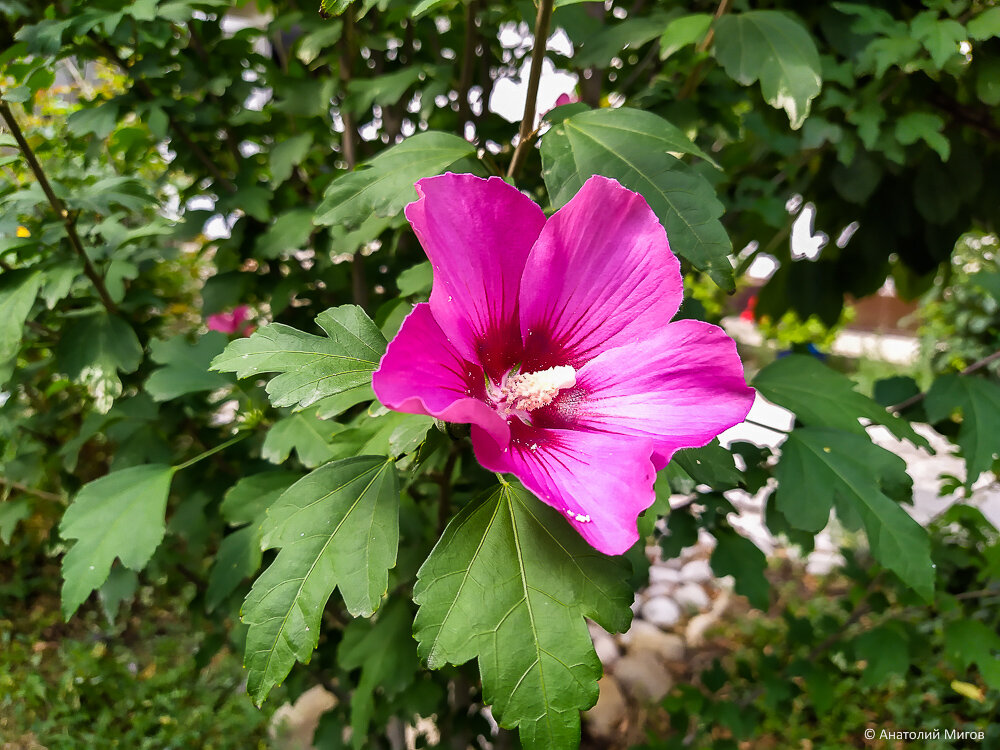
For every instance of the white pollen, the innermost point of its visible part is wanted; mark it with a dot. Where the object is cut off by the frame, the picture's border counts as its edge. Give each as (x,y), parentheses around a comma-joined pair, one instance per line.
(533,390)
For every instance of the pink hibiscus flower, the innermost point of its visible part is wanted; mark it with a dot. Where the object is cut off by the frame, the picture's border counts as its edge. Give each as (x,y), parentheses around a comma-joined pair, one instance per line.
(553,339)
(231,322)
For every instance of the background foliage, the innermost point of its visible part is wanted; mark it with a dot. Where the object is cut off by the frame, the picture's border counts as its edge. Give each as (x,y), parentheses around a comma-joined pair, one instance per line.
(163,161)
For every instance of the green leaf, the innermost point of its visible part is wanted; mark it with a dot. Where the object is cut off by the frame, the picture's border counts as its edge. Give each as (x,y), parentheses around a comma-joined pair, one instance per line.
(12,512)
(312,44)
(119,515)
(338,526)
(735,555)
(711,464)
(978,400)
(510,583)
(970,642)
(385,184)
(99,120)
(387,656)
(886,651)
(823,467)
(985,25)
(926,126)
(684,31)
(18,290)
(311,367)
(821,397)
(93,350)
(121,585)
(598,49)
(416,279)
(634,148)
(303,433)
(381,90)
(286,154)
(289,232)
(940,37)
(238,558)
(248,499)
(185,367)
(775,48)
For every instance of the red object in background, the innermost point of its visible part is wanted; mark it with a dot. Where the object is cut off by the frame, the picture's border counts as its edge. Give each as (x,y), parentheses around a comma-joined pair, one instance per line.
(747,313)
(231,322)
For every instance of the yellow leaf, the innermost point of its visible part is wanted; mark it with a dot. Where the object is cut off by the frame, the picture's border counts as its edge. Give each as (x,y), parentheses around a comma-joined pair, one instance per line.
(23,232)
(968,690)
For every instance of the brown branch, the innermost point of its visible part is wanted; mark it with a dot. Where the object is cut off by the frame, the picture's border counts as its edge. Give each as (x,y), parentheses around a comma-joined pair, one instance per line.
(916,399)
(31,490)
(468,57)
(535,73)
(359,284)
(68,219)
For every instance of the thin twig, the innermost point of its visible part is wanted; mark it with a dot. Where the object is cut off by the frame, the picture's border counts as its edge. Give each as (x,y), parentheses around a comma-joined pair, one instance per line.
(916,399)
(468,56)
(359,284)
(68,219)
(534,75)
(31,490)
(694,77)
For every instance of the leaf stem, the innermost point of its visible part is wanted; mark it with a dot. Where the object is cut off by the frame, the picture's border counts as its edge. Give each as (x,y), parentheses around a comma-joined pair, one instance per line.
(916,399)
(534,75)
(211,452)
(755,423)
(68,219)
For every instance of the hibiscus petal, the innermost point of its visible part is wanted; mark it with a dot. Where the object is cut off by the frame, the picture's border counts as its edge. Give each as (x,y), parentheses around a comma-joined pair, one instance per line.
(600,275)
(477,234)
(422,373)
(600,482)
(680,389)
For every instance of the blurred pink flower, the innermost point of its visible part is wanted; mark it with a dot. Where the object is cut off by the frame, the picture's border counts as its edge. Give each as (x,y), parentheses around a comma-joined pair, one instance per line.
(553,339)
(566,98)
(231,322)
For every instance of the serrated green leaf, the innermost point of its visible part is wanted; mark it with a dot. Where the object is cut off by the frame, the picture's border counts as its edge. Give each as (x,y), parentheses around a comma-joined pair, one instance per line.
(385,184)
(336,527)
(683,31)
(12,512)
(926,126)
(978,400)
(634,148)
(284,156)
(970,642)
(387,656)
(775,48)
(185,367)
(288,233)
(93,350)
(821,397)
(985,25)
(822,467)
(18,290)
(248,499)
(509,583)
(122,584)
(735,555)
(238,558)
(311,367)
(886,652)
(711,464)
(303,433)
(597,50)
(940,37)
(119,515)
